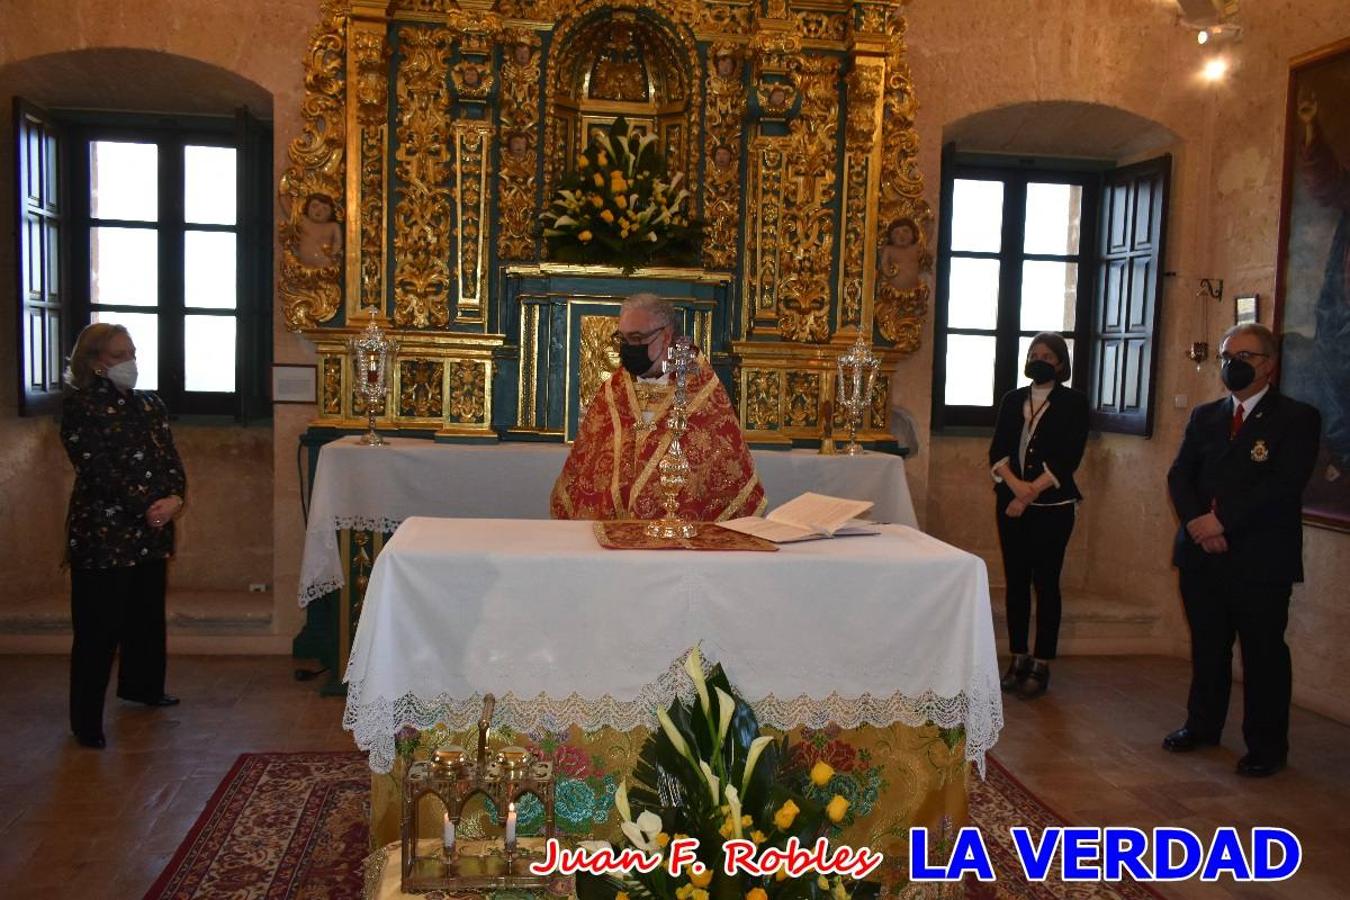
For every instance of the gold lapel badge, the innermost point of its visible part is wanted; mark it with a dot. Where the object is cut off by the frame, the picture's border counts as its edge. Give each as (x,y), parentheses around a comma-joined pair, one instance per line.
(1260,452)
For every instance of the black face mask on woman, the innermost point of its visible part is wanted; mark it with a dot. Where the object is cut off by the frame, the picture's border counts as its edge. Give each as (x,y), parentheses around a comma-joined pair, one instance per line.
(1039,371)
(635,359)
(1237,374)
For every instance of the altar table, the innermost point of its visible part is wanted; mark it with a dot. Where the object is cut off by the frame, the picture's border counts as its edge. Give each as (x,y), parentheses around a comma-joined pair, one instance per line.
(376,488)
(889,631)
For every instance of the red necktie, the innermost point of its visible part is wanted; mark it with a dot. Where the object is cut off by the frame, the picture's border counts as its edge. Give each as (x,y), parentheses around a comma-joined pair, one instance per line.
(1236,425)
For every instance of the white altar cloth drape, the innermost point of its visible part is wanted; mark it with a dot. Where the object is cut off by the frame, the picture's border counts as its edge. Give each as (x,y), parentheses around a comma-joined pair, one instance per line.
(356,486)
(859,630)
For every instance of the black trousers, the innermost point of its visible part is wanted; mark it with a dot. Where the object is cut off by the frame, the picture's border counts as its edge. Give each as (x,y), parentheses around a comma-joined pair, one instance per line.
(112,608)
(1033,555)
(1220,607)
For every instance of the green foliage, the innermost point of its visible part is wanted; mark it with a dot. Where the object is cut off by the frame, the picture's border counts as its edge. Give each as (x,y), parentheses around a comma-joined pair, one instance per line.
(618,207)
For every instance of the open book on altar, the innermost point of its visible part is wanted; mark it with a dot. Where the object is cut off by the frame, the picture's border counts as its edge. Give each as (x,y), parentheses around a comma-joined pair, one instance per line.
(809,517)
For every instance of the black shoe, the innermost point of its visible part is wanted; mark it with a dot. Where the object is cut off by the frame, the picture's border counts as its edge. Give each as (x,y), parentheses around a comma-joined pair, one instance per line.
(1036,682)
(161,700)
(1251,766)
(94,741)
(1183,740)
(1017,670)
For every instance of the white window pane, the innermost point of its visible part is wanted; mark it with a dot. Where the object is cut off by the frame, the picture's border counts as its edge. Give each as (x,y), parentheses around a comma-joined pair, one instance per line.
(1023,345)
(208,269)
(1053,218)
(972,293)
(144,331)
(208,353)
(1049,295)
(970,370)
(123,181)
(977,215)
(124,266)
(208,185)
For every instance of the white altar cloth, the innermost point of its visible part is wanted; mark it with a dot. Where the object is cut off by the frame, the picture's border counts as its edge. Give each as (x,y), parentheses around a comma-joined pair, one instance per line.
(356,486)
(888,628)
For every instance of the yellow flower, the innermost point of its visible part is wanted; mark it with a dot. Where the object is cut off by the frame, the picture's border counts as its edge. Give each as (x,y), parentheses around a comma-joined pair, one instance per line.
(726,829)
(701,879)
(581,164)
(836,809)
(607,216)
(780,875)
(602,159)
(662,839)
(584,236)
(598,179)
(621,895)
(597,201)
(822,883)
(821,773)
(758,836)
(756,894)
(786,815)
(746,821)
(621,202)
(699,894)
(683,892)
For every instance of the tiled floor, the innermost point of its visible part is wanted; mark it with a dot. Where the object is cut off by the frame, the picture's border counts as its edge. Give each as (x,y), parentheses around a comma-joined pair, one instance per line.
(90,824)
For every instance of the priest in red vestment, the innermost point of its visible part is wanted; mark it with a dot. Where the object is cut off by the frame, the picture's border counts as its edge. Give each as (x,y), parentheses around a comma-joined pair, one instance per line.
(611,472)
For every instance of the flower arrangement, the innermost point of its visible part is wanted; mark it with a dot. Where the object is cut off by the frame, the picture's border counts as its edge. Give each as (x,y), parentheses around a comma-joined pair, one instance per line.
(618,208)
(709,774)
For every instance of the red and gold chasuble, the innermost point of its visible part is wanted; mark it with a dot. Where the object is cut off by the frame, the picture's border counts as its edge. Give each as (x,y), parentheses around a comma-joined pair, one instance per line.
(611,472)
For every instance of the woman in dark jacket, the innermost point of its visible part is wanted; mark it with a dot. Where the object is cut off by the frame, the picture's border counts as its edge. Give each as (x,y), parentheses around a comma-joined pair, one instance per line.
(129,486)
(1038,443)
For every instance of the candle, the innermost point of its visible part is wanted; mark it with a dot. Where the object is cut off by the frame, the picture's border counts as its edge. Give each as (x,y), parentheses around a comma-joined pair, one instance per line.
(372,368)
(511,827)
(448,834)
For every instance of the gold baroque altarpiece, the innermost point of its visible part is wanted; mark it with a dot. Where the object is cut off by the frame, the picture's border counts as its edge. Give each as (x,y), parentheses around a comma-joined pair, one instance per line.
(434,133)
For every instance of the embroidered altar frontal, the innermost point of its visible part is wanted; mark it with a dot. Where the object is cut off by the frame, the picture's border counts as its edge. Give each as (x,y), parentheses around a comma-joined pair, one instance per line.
(439,136)
(893,777)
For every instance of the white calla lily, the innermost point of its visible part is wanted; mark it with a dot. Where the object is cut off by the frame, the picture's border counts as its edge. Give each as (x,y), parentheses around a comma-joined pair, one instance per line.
(621,802)
(734,802)
(642,833)
(693,666)
(674,734)
(713,781)
(751,757)
(726,708)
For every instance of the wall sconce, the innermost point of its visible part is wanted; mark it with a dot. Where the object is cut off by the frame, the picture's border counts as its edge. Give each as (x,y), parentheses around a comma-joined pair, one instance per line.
(1210,289)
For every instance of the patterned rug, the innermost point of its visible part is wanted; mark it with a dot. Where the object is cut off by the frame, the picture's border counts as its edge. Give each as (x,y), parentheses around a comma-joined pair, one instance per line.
(293,825)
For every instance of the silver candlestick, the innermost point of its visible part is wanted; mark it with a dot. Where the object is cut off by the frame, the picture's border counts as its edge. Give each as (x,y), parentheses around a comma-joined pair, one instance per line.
(674,466)
(857,378)
(372,355)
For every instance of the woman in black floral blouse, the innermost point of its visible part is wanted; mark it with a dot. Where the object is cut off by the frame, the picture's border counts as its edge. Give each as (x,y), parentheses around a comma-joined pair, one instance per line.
(129,486)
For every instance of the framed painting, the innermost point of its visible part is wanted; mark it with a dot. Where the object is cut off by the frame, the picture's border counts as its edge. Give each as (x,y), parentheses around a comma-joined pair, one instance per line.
(1312,291)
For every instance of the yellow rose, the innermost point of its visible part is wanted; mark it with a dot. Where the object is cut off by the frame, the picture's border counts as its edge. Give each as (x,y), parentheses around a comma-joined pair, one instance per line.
(607,216)
(598,179)
(756,894)
(662,839)
(683,892)
(584,236)
(581,164)
(821,773)
(699,894)
(701,879)
(621,895)
(836,809)
(758,836)
(726,829)
(621,202)
(602,159)
(786,815)
(746,821)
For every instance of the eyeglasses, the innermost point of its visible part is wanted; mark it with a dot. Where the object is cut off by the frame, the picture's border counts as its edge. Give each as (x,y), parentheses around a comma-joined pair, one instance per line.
(635,338)
(1244,355)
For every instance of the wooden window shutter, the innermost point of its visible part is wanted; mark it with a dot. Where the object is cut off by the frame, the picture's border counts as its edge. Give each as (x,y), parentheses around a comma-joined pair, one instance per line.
(1125,307)
(42,290)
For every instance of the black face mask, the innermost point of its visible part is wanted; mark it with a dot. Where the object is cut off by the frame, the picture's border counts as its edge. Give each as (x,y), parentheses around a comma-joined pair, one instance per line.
(635,359)
(1039,371)
(1237,374)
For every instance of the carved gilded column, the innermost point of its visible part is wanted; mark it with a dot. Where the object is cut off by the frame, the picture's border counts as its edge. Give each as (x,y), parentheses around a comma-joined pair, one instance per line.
(725,112)
(422,216)
(518,141)
(862,165)
(473,168)
(367,142)
(311,189)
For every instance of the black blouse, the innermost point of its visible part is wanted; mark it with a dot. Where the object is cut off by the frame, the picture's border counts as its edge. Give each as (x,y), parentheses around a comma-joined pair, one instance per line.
(124,461)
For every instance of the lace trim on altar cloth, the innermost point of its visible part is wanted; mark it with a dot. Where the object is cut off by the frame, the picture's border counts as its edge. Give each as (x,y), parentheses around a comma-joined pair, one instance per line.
(374,720)
(329,578)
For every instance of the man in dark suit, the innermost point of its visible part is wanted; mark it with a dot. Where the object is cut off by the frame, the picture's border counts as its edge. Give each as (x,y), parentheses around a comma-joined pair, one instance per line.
(1237,485)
